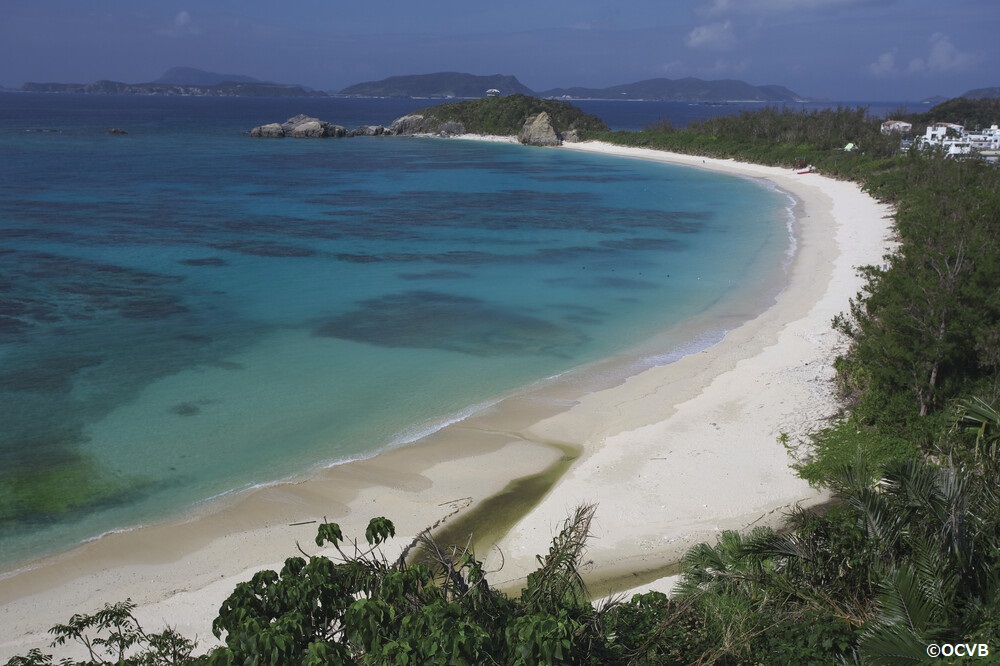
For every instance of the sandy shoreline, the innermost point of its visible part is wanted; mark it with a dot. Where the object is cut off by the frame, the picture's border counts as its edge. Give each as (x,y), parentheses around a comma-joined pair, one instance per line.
(671,456)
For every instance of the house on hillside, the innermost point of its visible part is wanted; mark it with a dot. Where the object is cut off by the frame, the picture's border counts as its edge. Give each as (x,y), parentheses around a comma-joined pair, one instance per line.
(492,92)
(957,142)
(938,132)
(985,139)
(898,126)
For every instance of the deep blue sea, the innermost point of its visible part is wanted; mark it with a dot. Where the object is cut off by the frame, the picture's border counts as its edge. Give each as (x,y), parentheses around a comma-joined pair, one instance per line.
(186,311)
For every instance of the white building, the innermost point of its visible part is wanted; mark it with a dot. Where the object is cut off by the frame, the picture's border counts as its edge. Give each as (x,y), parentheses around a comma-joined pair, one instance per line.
(985,139)
(939,132)
(899,126)
(956,142)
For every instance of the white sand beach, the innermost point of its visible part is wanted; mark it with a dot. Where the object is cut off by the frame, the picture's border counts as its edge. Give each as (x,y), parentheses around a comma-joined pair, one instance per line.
(671,456)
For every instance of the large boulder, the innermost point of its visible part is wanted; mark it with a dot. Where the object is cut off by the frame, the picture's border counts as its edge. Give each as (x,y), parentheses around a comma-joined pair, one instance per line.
(269,131)
(538,130)
(411,124)
(299,127)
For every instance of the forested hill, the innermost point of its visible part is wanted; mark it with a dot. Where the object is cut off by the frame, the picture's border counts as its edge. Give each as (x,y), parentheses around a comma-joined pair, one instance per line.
(965,111)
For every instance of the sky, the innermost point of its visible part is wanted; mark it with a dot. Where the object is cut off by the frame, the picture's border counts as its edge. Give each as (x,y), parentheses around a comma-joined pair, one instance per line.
(845,50)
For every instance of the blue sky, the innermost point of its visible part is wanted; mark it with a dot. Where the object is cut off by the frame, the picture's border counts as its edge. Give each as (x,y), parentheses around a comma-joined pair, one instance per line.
(851,50)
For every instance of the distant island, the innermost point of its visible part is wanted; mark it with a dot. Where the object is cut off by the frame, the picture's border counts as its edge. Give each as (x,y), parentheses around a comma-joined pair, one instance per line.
(186,81)
(446,85)
(442,85)
(452,85)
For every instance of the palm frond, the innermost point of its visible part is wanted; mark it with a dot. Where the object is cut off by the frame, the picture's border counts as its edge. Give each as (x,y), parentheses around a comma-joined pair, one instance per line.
(558,579)
(904,620)
(977,415)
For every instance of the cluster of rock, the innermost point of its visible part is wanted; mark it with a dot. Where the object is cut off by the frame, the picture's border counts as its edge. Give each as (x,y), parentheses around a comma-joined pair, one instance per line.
(300,127)
(538,130)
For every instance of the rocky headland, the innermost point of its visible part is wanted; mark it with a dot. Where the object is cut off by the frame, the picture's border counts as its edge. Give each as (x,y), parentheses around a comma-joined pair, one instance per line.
(533,121)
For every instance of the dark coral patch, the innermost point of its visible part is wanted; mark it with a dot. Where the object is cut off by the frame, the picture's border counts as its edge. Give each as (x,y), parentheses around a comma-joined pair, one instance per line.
(185,409)
(51,375)
(11,328)
(154,307)
(434,320)
(268,249)
(633,244)
(442,274)
(625,283)
(206,261)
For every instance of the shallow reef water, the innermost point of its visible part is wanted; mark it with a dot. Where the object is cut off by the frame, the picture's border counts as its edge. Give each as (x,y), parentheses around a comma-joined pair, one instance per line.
(455,323)
(185,311)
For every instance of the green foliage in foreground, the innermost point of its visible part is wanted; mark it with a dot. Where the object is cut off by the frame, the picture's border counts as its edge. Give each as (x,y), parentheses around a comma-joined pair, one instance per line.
(506,115)
(364,609)
(907,557)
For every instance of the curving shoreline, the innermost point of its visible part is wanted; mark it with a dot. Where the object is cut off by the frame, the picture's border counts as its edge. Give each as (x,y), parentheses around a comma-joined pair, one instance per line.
(715,416)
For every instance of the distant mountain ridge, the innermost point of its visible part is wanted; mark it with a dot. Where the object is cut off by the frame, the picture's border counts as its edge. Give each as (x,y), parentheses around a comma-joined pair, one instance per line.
(455,84)
(682,90)
(191,76)
(442,84)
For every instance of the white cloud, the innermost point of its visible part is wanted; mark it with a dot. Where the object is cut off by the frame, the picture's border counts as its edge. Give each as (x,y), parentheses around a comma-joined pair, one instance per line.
(884,65)
(945,56)
(714,36)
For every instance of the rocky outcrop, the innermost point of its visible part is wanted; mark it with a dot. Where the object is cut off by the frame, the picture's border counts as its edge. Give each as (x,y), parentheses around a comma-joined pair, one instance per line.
(269,131)
(419,124)
(369,130)
(538,130)
(571,136)
(299,127)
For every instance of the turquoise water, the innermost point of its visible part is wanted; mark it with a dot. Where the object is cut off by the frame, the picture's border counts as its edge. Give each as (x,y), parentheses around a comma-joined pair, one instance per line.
(185,311)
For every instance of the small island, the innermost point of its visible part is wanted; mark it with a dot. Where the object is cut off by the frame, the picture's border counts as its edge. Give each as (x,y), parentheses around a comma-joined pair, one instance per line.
(536,122)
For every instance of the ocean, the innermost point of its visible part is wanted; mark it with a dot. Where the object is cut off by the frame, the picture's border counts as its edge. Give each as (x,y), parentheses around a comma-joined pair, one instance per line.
(186,312)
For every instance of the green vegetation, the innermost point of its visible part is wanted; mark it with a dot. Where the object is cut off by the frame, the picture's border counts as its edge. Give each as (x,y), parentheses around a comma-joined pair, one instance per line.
(970,113)
(776,137)
(506,115)
(907,555)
